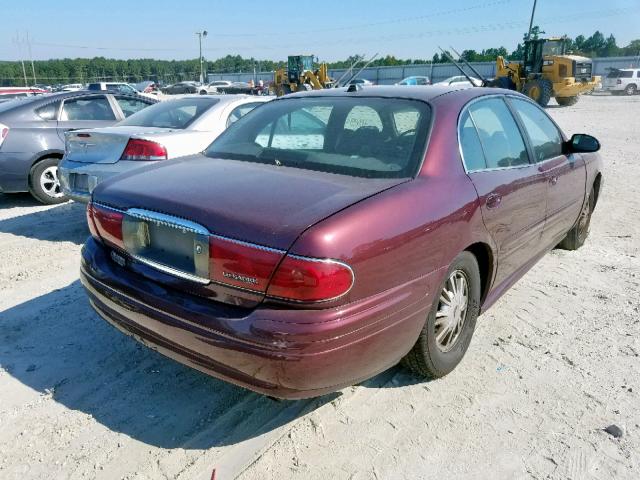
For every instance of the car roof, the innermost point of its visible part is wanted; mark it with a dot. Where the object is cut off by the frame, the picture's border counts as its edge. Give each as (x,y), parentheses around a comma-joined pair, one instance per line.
(415,92)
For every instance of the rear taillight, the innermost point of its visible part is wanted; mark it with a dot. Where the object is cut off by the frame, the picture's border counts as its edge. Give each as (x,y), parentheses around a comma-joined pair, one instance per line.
(105,224)
(138,149)
(305,279)
(241,264)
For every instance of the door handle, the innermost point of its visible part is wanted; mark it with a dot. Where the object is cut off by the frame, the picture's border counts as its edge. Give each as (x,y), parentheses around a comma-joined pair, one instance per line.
(553,180)
(494,200)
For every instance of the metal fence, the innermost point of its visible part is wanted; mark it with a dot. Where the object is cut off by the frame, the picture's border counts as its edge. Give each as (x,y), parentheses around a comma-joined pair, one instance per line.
(437,72)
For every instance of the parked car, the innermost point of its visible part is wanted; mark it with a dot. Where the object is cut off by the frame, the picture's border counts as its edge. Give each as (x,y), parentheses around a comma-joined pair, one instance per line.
(623,80)
(181,87)
(415,80)
(119,87)
(460,80)
(173,128)
(33,135)
(330,234)
(9,93)
(71,87)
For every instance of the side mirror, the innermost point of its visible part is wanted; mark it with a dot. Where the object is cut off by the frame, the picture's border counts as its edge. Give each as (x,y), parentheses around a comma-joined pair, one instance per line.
(582,143)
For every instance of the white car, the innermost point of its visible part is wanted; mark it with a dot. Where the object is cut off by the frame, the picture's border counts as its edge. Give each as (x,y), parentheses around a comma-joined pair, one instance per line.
(621,80)
(460,79)
(72,87)
(170,129)
(213,86)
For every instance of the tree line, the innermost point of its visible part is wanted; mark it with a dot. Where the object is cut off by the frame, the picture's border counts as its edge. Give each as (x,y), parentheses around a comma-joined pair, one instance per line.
(67,70)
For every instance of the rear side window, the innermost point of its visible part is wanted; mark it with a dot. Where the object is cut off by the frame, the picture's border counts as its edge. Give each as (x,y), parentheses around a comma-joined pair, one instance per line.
(96,108)
(543,135)
(500,137)
(240,111)
(470,145)
(177,114)
(48,112)
(129,106)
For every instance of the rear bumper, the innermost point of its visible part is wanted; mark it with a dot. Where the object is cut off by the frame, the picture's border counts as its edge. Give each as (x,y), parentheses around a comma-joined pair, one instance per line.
(69,173)
(279,352)
(14,171)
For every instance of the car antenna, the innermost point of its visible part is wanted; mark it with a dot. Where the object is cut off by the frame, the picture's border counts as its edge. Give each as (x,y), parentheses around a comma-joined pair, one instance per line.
(484,80)
(363,67)
(450,58)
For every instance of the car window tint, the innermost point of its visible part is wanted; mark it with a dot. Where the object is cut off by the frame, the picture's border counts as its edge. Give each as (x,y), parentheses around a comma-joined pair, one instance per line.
(129,106)
(406,120)
(318,134)
(48,112)
(96,108)
(363,117)
(501,140)
(240,111)
(544,136)
(470,144)
(301,129)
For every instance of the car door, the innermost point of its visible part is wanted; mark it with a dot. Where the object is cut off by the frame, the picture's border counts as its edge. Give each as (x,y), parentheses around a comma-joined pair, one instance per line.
(511,190)
(566,175)
(87,111)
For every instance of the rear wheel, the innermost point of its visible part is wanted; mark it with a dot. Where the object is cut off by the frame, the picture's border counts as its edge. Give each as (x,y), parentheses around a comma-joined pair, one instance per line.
(631,90)
(567,101)
(578,234)
(447,332)
(44,183)
(539,90)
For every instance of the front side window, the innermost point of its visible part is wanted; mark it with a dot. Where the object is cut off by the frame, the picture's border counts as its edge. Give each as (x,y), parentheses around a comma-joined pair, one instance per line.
(364,137)
(544,136)
(177,114)
(96,108)
(501,140)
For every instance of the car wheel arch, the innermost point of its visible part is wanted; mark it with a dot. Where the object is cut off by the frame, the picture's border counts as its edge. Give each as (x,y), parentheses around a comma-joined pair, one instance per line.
(597,184)
(486,264)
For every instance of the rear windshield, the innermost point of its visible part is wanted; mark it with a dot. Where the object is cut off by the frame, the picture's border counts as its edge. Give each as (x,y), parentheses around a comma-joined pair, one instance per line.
(620,74)
(360,136)
(177,114)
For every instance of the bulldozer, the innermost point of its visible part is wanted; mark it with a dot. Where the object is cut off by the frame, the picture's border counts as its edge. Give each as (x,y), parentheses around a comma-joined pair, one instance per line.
(300,76)
(547,71)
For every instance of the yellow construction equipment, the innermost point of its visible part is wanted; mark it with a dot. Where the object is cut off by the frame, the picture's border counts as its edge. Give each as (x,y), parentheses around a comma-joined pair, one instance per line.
(546,72)
(300,76)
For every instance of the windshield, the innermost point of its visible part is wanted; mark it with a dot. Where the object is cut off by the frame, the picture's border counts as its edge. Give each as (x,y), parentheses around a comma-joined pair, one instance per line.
(553,47)
(363,137)
(177,114)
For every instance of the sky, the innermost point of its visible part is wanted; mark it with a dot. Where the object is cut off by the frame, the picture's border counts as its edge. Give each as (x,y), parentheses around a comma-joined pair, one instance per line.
(331,29)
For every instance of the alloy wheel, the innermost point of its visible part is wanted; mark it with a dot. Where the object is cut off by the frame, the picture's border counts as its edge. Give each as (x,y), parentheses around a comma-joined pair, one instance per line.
(50,183)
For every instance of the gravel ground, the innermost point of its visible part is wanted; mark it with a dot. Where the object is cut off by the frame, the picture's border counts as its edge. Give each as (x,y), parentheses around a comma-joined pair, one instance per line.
(551,365)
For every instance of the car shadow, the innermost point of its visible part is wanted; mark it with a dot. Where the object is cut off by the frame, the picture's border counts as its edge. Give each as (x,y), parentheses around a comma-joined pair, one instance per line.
(64,222)
(11,200)
(58,346)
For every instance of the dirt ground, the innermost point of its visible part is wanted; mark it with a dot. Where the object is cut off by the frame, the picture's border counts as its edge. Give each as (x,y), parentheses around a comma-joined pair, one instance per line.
(550,366)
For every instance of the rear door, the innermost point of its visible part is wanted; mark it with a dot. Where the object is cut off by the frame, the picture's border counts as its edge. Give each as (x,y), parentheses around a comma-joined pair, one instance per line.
(93,111)
(511,189)
(566,175)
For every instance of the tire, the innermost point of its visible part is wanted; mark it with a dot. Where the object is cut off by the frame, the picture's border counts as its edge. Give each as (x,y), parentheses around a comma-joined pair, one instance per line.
(429,357)
(630,90)
(578,234)
(44,184)
(567,101)
(539,90)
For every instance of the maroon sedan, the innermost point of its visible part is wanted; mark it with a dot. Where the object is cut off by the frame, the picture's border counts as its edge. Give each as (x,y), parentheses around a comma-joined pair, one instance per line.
(328,235)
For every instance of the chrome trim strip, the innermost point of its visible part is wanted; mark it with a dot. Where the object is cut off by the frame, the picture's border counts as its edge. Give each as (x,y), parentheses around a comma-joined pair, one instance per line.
(167,220)
(171,271)
(247,244)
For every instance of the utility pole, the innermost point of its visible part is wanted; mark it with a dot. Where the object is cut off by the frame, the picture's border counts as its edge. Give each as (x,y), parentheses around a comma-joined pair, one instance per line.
(533,12)
(18,44)
(33,69)
(200,35)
